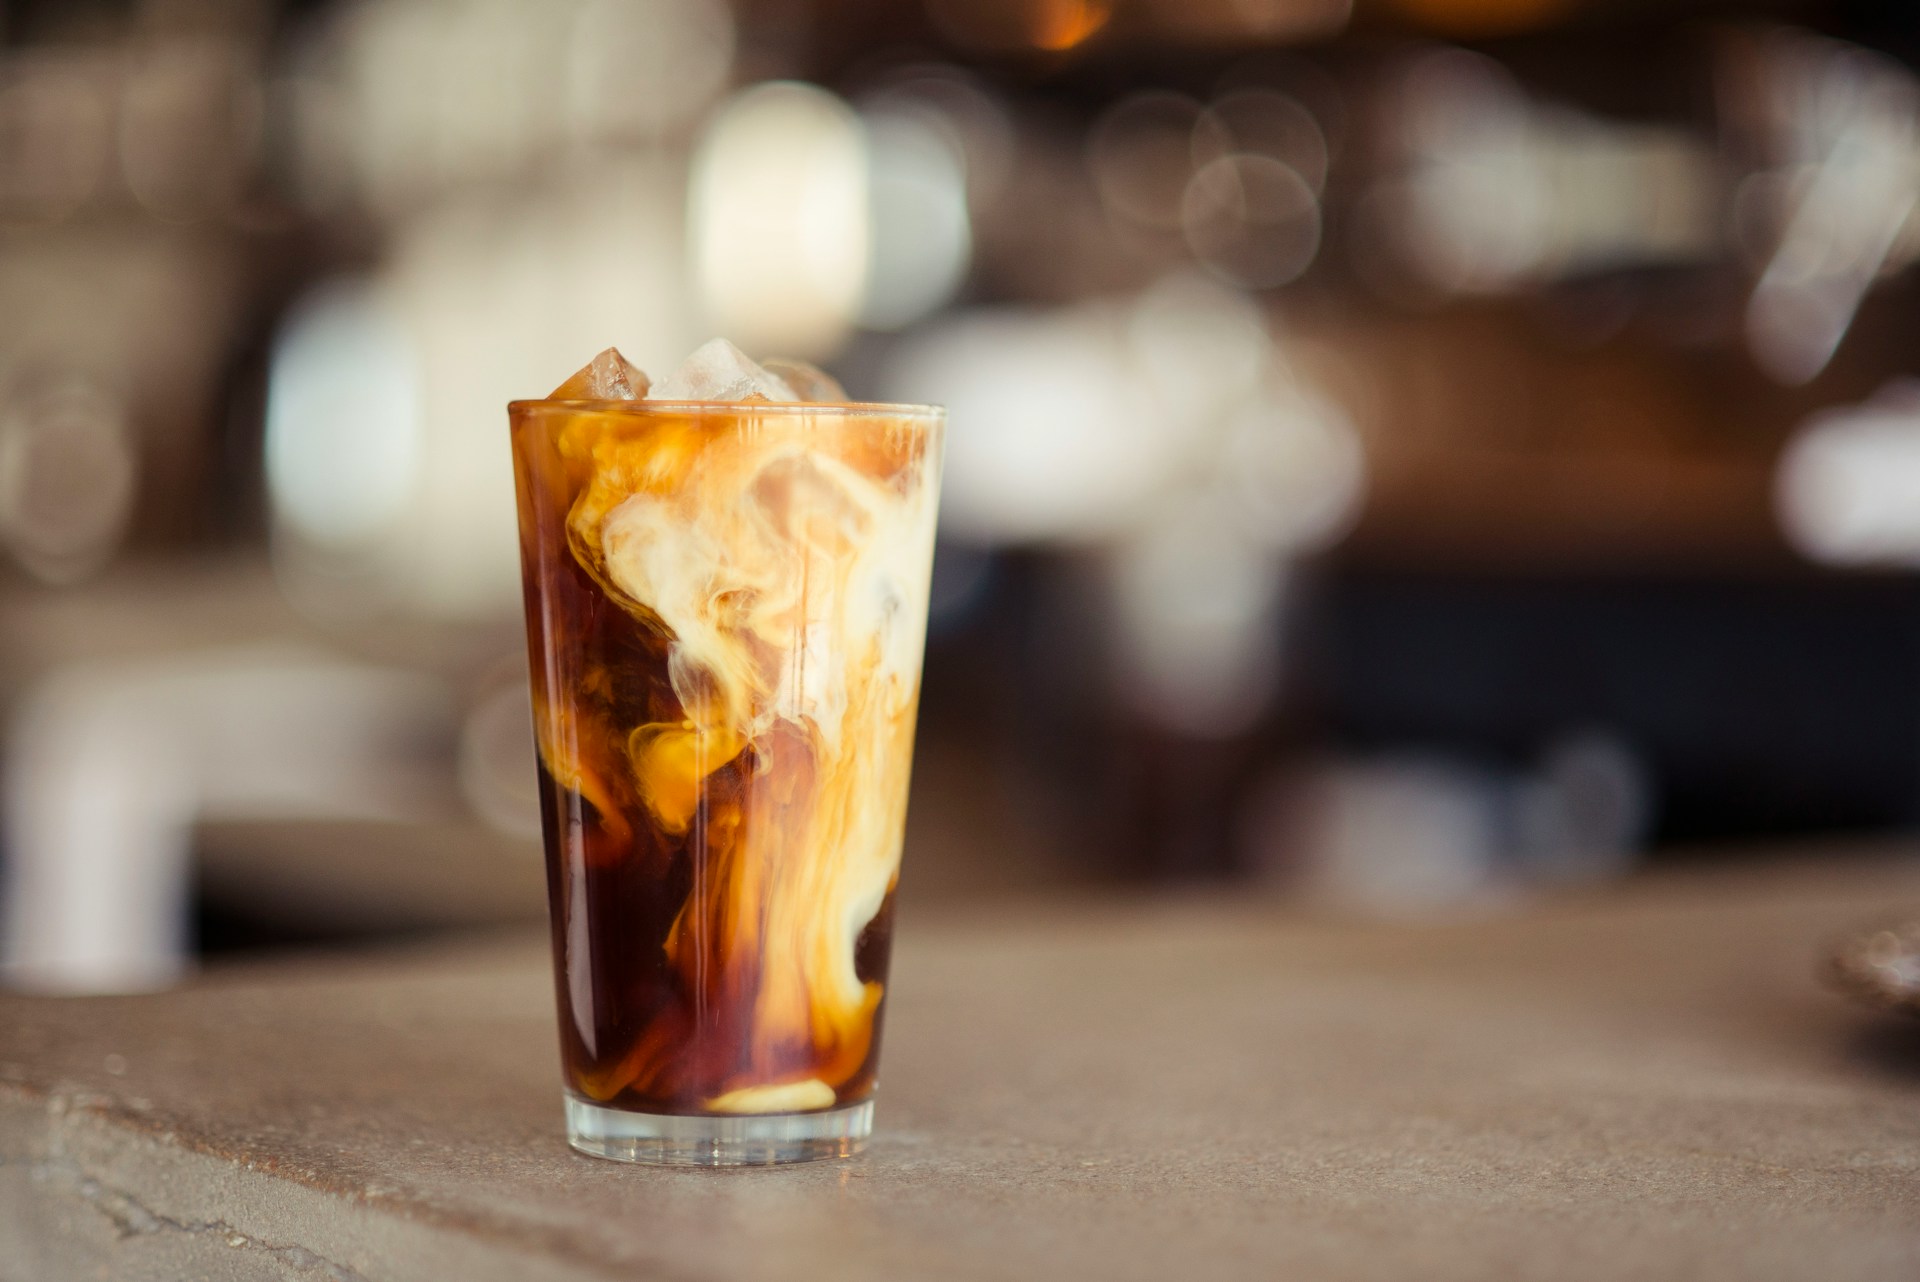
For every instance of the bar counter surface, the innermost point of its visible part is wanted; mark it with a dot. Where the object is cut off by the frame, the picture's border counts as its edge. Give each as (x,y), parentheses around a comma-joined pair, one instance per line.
(1646,1082)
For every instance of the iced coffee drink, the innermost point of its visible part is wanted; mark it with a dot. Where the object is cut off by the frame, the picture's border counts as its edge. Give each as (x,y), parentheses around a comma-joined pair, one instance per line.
(726,586)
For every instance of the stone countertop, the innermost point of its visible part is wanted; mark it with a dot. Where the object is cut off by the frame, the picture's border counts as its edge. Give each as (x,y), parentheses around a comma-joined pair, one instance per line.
(1641,1083)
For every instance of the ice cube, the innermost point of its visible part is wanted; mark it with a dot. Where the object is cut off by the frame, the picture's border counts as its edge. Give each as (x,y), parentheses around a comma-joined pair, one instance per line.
(607,377)
(719,371)
(809,382)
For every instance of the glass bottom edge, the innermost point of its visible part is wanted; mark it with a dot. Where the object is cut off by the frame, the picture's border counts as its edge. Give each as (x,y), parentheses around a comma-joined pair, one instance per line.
(676,1139)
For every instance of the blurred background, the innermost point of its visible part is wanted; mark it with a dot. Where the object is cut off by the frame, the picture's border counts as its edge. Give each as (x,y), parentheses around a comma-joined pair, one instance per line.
(1406,456)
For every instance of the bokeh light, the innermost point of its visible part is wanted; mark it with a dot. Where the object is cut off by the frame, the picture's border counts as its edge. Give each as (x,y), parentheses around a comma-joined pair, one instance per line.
(1084,425)
(1196,621)
(68,476)
(1474,209)
(55,134)
(639,70)
(1142,152)
(922,236)
(780,219)
(1847,128)
(1292,471)
(1266,122)
(396,101)
(344,435)
(1848,484)
(1496,192)
(1252,219)
(1202,348)
(1049,436)
(1000,26)
(190,121)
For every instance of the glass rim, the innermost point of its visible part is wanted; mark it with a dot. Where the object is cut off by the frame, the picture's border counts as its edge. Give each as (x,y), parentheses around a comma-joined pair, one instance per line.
(889,409)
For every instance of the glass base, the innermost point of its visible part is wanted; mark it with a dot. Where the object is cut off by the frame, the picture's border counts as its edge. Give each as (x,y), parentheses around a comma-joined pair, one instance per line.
(674,1139)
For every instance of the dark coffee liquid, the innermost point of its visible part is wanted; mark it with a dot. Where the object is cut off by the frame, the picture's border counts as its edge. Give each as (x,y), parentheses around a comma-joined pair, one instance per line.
(619,994)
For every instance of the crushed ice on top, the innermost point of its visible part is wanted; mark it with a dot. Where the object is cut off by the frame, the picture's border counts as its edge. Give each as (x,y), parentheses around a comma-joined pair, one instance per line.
(717,371)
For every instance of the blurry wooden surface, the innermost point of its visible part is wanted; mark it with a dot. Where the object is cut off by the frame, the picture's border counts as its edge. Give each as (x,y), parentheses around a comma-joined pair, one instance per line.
(1646,1082)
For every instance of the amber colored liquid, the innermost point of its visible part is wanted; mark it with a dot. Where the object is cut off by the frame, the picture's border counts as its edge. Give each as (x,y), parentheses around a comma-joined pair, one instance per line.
(722,824)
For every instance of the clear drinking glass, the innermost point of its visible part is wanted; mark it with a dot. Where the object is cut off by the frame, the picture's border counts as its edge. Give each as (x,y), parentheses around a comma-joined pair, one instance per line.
(726,612)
